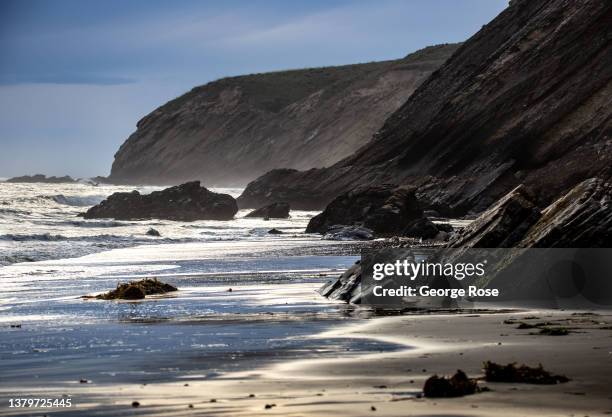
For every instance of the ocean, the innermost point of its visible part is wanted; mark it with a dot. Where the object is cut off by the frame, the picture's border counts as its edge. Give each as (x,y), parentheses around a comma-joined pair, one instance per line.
(50,258)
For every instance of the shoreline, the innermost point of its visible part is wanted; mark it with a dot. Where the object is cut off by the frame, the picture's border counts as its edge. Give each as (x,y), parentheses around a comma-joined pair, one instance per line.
(390,381)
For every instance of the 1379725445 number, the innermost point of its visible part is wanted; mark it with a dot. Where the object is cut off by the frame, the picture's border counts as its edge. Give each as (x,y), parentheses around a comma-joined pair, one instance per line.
(40,402)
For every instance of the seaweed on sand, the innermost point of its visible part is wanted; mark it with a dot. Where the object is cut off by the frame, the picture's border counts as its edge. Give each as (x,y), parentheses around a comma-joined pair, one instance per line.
(137,290)
(554,331)
(522,374)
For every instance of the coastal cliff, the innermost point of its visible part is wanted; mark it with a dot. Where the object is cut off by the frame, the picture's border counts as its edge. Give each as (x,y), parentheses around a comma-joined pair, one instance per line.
(232,130)
(526,100)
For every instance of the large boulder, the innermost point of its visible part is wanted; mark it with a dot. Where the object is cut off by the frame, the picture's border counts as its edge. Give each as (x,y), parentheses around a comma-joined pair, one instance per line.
(271,211)
(341,232)
(385,209)
(186,202)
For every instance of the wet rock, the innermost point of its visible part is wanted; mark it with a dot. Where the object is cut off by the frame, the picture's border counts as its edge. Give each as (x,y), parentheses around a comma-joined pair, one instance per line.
(153,232)
(344,288)
(340,232)
(271,211)
(385,209)
(456,386)
(135,404)
(137,290)
(521,374)
(186,202)
(275,232)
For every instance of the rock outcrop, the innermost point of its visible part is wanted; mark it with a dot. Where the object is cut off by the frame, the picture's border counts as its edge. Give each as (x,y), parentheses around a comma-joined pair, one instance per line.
(526,100)
(271,211)
(230,131)
(502,225)
(385,209)
(581,218)
(186,202)
(40,178)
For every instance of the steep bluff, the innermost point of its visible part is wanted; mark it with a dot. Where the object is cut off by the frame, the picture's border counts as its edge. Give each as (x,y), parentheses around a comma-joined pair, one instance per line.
(528,99)
(232,130)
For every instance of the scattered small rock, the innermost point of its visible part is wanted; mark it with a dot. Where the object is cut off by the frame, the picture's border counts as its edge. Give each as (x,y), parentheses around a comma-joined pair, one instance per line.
(212,400)
(83,381)
(373,408)
(269,406)
(15,326)
(456,386)
(522,374)
(229,290)
(275,232)
(135,404)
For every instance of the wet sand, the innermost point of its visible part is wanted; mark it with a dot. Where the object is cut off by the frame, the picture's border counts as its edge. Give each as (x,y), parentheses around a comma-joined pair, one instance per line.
(385,383)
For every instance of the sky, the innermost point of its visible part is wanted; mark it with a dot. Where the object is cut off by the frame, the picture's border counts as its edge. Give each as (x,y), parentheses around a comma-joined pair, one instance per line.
(77,75)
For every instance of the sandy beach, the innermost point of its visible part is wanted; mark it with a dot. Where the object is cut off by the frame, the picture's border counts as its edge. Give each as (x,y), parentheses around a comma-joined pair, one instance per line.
(389,383)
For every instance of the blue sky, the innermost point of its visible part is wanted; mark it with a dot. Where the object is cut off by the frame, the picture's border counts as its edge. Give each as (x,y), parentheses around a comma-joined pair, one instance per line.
(76,76)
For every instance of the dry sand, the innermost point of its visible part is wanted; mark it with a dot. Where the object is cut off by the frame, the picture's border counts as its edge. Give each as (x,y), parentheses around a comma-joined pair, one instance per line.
(389,383)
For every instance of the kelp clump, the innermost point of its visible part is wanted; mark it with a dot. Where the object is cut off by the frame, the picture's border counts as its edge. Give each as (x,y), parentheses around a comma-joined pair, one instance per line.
(137,290)
(521,374)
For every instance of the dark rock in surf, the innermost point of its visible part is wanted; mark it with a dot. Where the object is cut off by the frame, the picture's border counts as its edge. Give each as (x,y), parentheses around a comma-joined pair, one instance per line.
(385,209)
(275,232)
(340,232)
(153,232)
(271,211)
(186,202)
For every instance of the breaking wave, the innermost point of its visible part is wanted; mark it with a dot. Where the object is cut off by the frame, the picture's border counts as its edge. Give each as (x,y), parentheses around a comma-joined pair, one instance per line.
(75,200)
